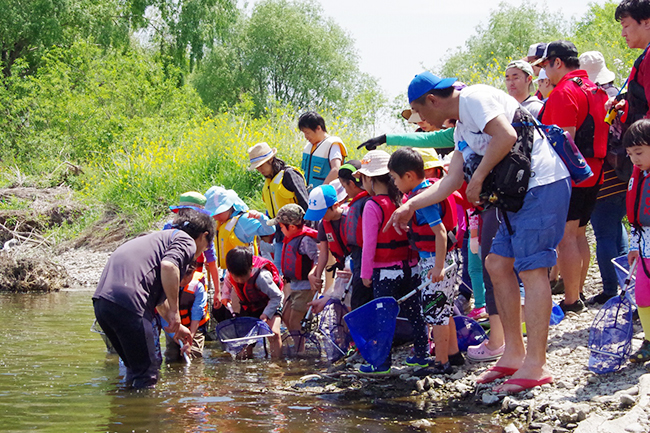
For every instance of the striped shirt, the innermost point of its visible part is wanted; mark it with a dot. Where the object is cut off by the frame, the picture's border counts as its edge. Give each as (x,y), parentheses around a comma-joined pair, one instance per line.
(612,185)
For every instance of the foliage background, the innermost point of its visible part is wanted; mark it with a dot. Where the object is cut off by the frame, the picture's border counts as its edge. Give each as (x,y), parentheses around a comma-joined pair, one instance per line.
(151,98)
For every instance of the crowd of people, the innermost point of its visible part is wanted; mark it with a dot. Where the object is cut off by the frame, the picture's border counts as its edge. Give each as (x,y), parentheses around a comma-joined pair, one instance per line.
(418,217)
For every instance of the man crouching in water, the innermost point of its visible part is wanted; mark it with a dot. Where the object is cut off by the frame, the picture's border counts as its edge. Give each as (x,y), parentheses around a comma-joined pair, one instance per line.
(141,276)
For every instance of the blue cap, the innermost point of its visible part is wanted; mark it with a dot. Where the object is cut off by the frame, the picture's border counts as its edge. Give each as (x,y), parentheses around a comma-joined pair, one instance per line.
(322,197)
(426,81)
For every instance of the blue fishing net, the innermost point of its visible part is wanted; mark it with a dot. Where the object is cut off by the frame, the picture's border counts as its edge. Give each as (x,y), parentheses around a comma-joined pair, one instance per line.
(297,344)
(336,337)
(622,268)
(556,314)
(468,332)
(235,334)
(372,327)
(610,336)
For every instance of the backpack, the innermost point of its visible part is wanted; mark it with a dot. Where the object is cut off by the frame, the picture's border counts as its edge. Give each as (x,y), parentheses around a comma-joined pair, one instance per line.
(506,185)
(616,155)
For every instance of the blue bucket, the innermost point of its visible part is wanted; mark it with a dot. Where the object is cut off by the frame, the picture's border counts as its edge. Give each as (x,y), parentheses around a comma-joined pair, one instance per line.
(372,327)
(556,314)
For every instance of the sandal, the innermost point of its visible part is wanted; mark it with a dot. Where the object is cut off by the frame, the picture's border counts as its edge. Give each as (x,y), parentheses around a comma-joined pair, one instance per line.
(482,353)
(643,354)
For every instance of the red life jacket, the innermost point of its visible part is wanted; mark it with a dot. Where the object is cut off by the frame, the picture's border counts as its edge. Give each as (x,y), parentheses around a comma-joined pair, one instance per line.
(421,237)
(296,266)
(591,136)
(335,240)
(250,297)
(637,103)
(391,246)
(186,300)
(353,226)
(638,199)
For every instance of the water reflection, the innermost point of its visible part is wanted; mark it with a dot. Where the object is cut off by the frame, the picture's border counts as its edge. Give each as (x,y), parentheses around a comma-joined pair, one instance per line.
(56,376)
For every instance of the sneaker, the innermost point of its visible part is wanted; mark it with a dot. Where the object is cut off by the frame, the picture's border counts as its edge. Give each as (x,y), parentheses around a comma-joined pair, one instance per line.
(577,307)
(558,288)
(371,369)
(643,354)
(583,298)
(457,359)
(436,368)
(478,313)
(482,353)
(599,299)
(417,361)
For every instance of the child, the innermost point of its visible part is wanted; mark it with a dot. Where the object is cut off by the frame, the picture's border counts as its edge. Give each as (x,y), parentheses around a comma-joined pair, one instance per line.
(258,285)
(236,225)
(299,259)
(428,236)
(353,230)
(193,308)
(326,206)
(386,261)
(637,143)
(323,154)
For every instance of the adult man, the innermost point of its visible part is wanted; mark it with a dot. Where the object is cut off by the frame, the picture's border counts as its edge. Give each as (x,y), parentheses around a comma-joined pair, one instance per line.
(144,275)
(535,52)
(634,16)
(283,184)
(519,83)
(577,106)
(484,128)
(323,154)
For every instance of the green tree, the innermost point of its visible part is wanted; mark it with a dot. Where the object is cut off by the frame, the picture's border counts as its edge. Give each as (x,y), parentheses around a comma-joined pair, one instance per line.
(508,33)
(599,31)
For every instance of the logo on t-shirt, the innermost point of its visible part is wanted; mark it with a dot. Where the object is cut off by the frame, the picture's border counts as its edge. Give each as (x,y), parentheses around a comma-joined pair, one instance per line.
(330,238)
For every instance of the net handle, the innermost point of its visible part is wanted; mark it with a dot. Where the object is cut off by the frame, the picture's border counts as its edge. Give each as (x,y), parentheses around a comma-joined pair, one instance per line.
(628,280)
(423,285)
(234,340)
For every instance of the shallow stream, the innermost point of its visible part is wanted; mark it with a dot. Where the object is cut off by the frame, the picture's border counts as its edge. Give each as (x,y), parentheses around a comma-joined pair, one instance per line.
(55,376)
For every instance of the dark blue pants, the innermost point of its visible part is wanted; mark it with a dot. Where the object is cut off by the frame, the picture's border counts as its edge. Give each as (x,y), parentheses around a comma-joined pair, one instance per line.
(611,238)
(133,338)
(411,308)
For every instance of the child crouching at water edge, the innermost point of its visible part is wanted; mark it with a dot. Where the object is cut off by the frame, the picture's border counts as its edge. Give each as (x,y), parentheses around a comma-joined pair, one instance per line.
(258,286)
(637,144)
(428,236)
(193,308)
(387,262)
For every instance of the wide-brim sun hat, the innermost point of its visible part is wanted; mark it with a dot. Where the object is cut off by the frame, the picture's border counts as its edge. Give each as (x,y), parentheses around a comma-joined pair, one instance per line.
(259,154)
(374,163)
(594,63)
(220,199)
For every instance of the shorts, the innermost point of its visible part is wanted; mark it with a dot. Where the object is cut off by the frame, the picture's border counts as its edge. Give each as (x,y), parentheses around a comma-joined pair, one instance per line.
(438,298)
(299,299)
(536,229)
(583,202)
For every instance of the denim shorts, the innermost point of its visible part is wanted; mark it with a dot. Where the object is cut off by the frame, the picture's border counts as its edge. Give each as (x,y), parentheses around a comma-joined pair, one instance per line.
(537,228)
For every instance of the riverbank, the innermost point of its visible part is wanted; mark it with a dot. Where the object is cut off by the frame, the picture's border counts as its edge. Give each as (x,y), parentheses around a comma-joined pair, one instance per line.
(578,400)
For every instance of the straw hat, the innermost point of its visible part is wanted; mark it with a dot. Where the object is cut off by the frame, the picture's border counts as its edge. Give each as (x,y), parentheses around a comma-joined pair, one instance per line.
(259,154)
(411,116)
(374,163)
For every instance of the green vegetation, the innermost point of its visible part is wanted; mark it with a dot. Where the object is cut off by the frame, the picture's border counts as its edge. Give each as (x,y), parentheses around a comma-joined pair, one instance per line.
(133,102)
(510,30)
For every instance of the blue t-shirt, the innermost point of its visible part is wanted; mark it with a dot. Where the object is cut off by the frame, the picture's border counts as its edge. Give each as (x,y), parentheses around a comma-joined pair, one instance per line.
(431,215)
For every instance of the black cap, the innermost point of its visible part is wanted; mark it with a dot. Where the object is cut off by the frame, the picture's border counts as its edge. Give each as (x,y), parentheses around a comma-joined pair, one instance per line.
(561,49)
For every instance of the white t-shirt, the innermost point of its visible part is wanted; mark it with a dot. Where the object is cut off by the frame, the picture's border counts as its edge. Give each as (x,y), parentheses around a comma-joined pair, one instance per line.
(478,105)
(335,152)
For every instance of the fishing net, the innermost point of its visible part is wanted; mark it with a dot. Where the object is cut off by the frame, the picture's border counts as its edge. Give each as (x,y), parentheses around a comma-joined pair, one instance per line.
(98,330)
(468,332)
(296,344)
(622,268)
(372,327)
(336,338)
(610,337)
(235,334)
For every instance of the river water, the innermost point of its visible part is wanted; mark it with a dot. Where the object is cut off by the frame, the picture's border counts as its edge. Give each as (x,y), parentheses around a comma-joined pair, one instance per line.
(55,376)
